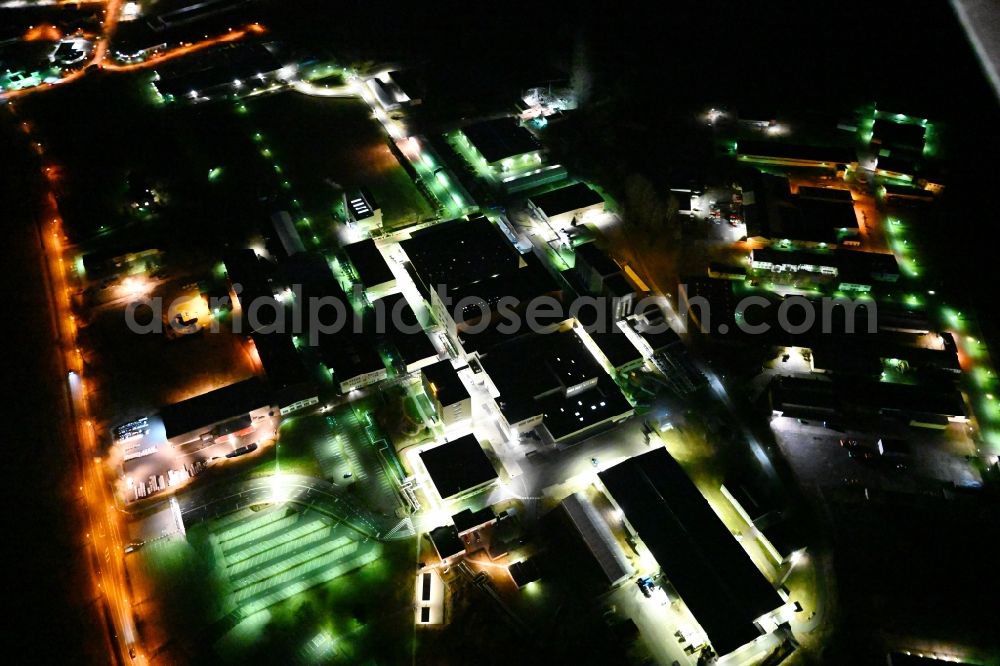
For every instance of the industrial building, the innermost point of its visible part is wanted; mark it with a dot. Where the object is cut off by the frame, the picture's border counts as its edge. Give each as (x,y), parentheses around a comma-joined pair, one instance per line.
(472,263)
(459,468)
(524,572)
(234,411)
(729,597)
(852,270)
(347,351)
(397,324)
(291,386)
(920,406)
(503,144)
(870,355)
(797,155)
(370,267)
(216,72)
(665,351)
(467,521)
(921,658)
(822,217)
(597,536)
(459,253)
(594,266)
(602,276)
(250,290)
(447,393)
(567,205)
(362,209)
(568,396)
(759,504)
(353,362)
(388,93)
(889,135)
(616,351)
(447,544)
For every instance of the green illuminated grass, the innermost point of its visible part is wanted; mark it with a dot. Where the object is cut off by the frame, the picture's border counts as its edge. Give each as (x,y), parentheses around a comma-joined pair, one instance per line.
(280,550)
(356,611)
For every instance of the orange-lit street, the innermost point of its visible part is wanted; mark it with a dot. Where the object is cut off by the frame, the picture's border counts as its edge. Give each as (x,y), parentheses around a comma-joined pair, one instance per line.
(337,341)
(180,51)
(105,526)
(100,59)
(109,24)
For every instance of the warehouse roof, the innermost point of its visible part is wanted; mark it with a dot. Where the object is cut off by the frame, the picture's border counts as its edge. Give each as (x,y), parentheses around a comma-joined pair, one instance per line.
(448,387)
(597,259)
(566,199)
(829,154)
(907,136)
(598,537)
(403,329)
(460,252)
(369,263)
(714,576)
(467,519)
(458,466)
(209,408)
(500,138)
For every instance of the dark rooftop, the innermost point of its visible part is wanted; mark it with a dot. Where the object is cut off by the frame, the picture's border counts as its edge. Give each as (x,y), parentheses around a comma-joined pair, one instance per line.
(903,136)
(448,387)
(520,283)
(467,519)
(460,252)
(446,541)
(808,219)
(829,154)
(500,138)
(280,360)
(617,347)
(703,561)
(825,193)
(618,286)
(349,354)
(404,330)
(566,416)
(245,268)
(369,263)
(896,165)
(524,572)
(558,361)
(458,465)
(597,259)
(221,404)
(566,199)
(794,395)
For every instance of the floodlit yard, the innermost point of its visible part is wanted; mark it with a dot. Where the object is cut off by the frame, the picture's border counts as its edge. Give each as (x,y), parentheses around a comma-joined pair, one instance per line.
(279,580)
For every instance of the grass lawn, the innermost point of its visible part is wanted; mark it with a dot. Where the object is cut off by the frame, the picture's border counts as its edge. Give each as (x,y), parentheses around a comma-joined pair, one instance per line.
(275,585)
(364,616)
(333,144)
